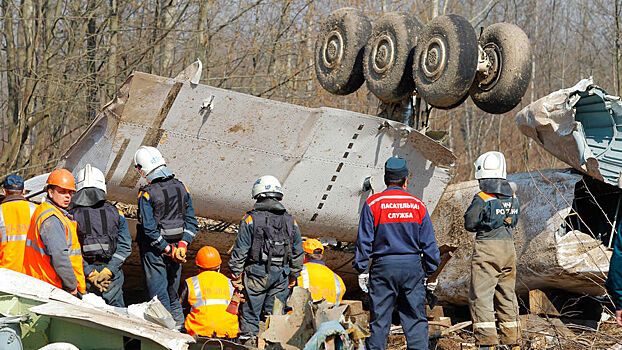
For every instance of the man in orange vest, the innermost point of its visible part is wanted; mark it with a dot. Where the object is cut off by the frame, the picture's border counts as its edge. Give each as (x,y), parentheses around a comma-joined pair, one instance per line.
(53,252)
(15,214)
(321,281)
(205,298)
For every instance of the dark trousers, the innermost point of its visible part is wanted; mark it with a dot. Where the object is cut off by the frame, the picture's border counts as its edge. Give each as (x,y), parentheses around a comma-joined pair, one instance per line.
(114,294)
(260,289)
(397,280)
(162,277)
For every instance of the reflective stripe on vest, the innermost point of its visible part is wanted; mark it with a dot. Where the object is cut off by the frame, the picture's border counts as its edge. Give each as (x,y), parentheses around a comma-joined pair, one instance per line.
(94,247)
(37,261)
(307,284)
(2,226)
(13,238)
(202,302)
(15,218)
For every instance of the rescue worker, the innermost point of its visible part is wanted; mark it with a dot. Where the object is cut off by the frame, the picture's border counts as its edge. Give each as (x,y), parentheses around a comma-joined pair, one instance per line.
(53,252)
(103,234)
(267,252)
(15,214)
(493,214)
(321,281)
(166,226)
(205,298)
(396,232)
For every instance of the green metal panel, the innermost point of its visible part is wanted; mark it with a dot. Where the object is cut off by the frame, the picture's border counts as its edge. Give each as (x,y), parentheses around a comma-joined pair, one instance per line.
(85,338)
(34,332)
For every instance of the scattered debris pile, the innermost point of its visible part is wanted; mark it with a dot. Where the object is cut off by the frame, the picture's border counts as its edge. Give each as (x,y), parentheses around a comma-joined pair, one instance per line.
(314,325)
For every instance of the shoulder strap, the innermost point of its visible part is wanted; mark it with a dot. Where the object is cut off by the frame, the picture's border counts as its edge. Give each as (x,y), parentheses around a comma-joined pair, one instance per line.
(257,239)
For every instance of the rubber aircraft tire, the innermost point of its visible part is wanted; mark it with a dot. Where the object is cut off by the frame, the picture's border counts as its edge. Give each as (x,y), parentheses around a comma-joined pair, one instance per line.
(445,61)
(504,90)
(388,56)
(339,49)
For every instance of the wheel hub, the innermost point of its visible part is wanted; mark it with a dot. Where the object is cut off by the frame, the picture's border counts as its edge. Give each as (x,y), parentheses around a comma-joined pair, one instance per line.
(332,50)
(383,53)
(488,78)
(434,58)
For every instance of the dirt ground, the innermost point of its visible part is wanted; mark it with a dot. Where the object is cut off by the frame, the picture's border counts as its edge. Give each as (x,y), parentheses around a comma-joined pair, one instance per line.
(537,335)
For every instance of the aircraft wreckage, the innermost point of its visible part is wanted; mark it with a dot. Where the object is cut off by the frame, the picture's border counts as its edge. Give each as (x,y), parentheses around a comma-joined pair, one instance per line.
(329,161)
(216,155)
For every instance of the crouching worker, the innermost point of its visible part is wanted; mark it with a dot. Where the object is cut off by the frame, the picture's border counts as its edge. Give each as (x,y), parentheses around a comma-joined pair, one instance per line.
(205,298)
(103,234)
(321,281)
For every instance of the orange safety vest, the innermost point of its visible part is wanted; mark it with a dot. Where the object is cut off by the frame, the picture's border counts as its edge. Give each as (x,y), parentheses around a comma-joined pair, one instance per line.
(209,294)
(14,222)
(322,282)
(37,261)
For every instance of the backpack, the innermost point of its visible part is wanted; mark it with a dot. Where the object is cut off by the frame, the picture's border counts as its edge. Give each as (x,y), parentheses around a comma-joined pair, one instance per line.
(272,238)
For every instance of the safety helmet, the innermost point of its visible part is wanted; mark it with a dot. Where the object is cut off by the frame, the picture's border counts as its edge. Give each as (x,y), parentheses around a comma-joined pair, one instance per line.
(490,165)
(61,178)
(208,258)
(310,245)
(267,186)
(90,177)
(147,159)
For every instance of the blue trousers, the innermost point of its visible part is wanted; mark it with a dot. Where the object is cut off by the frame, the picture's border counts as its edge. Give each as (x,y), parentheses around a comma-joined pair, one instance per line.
(260,289)
(397,280)
(114,294)
(162,278)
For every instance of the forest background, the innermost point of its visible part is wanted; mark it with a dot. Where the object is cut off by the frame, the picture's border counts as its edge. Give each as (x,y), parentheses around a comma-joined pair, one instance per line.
(62,60)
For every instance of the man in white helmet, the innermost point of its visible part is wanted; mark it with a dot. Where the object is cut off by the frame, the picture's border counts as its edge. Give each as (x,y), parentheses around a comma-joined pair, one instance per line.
(267,255)
(492,215)
(166,226)
(104,236)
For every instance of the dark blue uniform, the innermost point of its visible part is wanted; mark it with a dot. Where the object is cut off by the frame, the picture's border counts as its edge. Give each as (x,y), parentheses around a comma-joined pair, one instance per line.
(166,216)
(396,232)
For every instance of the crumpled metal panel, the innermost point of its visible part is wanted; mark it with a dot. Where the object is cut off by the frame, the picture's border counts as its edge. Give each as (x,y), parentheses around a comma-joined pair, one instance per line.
(321,156)
(58,303)
(547,255)
(581,126)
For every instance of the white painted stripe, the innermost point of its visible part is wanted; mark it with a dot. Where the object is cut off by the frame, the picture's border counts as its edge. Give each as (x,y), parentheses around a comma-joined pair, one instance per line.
(391,197)
(337,289)
(305,277)
(512,324)
(484,325)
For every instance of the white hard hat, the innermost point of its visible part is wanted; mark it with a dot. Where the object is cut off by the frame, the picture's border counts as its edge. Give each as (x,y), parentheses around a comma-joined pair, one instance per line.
(90,177)
(267,186)
(490,165)
(147,159)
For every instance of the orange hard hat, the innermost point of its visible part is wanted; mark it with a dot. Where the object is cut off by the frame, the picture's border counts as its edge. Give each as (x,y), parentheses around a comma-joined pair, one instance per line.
(208,258)
(62,178)
(310,245)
